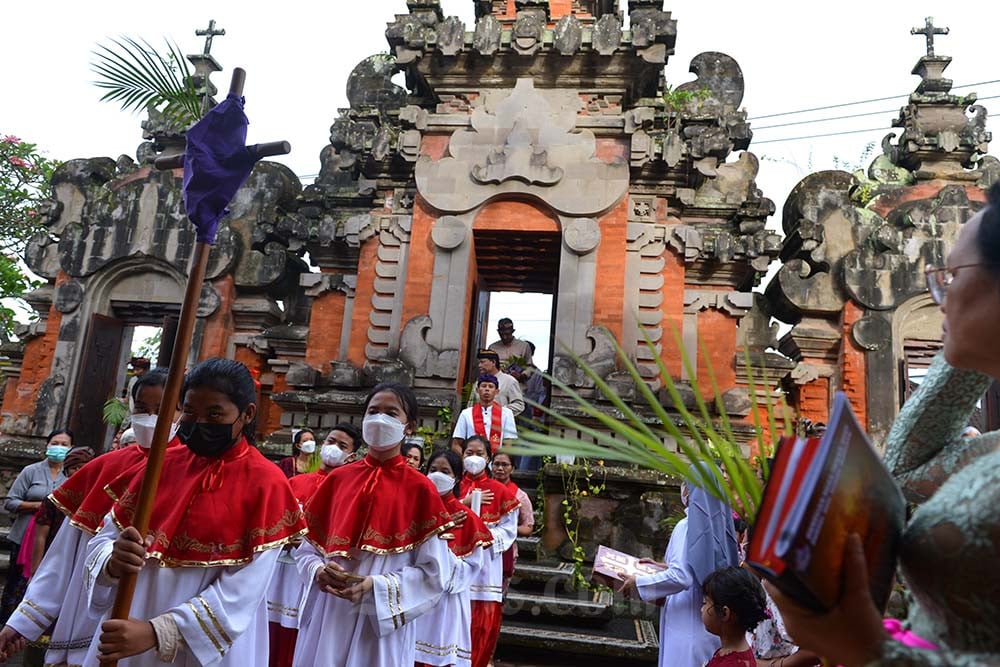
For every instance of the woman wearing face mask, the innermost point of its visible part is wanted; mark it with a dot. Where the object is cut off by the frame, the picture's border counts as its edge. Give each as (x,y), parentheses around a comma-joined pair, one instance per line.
(56,589)
(33,483)
(499,512)
(221,515)
(443,636)
(286,592)
(304,458)
(372,555)
(503,466)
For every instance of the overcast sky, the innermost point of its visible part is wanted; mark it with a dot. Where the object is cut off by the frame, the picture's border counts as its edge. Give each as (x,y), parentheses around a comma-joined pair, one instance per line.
(794,55)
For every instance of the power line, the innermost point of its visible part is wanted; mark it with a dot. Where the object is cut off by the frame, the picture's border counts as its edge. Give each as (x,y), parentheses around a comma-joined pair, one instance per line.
(874,99)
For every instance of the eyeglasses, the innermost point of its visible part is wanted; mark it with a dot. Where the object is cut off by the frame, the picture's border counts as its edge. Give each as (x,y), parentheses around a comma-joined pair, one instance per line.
(939,278)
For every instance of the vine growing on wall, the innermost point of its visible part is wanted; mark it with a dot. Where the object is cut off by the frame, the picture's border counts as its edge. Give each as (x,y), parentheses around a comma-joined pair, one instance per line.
(579,482)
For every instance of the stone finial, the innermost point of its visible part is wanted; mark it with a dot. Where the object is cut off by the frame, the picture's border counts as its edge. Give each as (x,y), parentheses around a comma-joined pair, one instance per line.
(928,31)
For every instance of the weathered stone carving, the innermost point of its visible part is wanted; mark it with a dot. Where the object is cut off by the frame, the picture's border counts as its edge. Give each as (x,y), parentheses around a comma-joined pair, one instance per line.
(524,141)
(721,77)
(424,359)
(526,38)
(449,232)
(581,235)
(486,39)
(451,36)
(607,37)
(568,35)
(654,32)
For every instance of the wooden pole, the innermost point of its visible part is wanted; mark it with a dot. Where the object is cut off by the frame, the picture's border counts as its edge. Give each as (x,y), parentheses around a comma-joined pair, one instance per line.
(165,418)
(171,398)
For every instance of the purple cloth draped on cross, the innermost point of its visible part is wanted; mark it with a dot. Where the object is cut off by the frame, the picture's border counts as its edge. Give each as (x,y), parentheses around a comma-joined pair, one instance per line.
(217,162)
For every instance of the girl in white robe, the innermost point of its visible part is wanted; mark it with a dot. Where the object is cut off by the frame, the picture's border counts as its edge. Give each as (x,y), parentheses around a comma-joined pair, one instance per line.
(372,557)
(444,635)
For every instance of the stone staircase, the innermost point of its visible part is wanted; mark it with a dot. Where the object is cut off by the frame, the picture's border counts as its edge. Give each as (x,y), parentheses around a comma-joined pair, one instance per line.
(548,622)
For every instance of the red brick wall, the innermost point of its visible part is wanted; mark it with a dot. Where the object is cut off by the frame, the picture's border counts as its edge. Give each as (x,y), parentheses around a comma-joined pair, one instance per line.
(363,302)
(814,400)
(853,365)
(220,325)
(420,264)
(515,215)
(36,367)
(609,296)
(673,311)
(326,320)
(559,8)
(717,333)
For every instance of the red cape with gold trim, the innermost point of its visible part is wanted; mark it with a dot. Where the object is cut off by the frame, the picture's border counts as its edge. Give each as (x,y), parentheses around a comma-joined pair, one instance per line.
(82,497)
(504,501)
(383,507)
(463,539)
(305,485)
(213,511)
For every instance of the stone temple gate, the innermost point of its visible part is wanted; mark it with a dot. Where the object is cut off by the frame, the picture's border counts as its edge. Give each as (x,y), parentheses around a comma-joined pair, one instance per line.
(537,150)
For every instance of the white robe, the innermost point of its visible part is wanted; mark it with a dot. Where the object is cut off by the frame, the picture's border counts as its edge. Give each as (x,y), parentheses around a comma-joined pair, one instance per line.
(219,611)
(287,592)
(444,634)
(378,631)
(488,584)
(55,592)
(684,641)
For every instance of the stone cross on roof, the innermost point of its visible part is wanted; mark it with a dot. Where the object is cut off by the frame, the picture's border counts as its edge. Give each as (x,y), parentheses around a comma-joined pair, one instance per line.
(208,34)
(928,31)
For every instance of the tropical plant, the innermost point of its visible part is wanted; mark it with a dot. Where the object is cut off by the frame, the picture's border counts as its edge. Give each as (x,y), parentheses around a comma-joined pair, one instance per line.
(138,76)
(709,455)
(25,175)
(115,411)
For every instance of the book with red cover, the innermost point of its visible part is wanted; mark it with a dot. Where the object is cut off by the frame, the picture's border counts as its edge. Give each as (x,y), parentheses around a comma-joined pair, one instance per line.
(819,492)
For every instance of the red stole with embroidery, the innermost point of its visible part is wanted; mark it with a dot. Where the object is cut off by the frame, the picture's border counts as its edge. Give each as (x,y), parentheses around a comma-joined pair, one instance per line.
(496,423)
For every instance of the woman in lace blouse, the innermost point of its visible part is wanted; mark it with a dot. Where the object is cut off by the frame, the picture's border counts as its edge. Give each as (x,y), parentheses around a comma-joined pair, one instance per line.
(952,543)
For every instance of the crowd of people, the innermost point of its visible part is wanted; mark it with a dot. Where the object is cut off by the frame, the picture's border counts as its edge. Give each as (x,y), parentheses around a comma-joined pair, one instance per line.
(332,557)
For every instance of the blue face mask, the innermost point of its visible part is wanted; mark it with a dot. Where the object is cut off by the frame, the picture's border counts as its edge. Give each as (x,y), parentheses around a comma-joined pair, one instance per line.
(56,453)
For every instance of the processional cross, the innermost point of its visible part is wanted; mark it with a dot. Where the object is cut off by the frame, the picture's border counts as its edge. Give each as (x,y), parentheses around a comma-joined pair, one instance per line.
(928,31)
(209,33)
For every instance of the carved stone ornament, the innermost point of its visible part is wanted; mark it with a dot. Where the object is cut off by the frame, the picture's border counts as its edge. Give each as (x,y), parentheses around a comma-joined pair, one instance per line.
(607,35)
(69,296)
(451,36)
(524,141)
(872,332)
(528,28)
(568,35)
(449,232)
(486,39)
(582,235)
(209,301)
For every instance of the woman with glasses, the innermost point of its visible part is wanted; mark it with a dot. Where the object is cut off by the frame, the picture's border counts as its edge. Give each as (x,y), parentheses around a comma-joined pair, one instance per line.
(950,546)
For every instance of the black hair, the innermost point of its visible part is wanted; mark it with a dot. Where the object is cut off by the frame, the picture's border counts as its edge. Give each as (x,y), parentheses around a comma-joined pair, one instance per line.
(486,444)
(454,461)
(739,590)
(513,466)
(297,439)
(988,236)
(352,432)
(407,399)
(739,524)
(59,431)
(532,346)
(407,446)
(154,378)
(504,320)
(230,378)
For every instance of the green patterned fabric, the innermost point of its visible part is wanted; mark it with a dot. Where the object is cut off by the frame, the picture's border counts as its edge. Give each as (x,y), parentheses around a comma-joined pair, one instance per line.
(949,557)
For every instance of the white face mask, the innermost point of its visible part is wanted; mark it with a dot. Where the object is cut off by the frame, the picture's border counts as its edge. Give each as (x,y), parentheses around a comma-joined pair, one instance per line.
(474,464)
(308,447)
(143,427)
(332,455)
(444,482)
(382,432)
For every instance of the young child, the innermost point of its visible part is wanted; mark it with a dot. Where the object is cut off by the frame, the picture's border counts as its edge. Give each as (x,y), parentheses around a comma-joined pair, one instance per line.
(733,605)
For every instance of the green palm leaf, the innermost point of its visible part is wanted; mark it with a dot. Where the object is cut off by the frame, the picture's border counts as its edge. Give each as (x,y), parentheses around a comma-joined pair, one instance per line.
(138,76)
(636,433)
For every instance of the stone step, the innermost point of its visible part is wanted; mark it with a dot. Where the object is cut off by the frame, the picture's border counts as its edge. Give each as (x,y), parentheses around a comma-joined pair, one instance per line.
(619,642)
(528,548)
(542,572)
(560,606)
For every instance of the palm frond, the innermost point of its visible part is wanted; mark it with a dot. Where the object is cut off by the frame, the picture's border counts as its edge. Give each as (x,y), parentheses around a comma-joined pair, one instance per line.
(138,76)
(640,430)
(114,412)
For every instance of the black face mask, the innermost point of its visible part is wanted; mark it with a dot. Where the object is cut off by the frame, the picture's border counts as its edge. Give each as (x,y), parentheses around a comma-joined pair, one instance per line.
(205,438)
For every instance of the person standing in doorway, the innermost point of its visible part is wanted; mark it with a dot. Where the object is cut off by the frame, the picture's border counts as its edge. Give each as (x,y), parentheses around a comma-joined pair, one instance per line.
(487,418)
(508,389)
(508,348)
